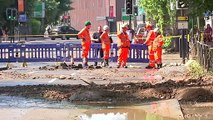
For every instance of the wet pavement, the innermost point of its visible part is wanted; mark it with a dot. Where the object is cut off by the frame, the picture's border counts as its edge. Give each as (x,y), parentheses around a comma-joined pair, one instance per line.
(71,76)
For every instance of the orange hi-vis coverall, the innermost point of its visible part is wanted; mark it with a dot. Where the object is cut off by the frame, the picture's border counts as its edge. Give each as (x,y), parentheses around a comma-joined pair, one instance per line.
(123,44)
(86,42)
(149,41)
(157,48)
(106,44)
(148,27)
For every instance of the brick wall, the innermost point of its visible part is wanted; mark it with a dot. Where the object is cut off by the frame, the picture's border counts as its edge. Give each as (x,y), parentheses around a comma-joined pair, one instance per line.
(88,10)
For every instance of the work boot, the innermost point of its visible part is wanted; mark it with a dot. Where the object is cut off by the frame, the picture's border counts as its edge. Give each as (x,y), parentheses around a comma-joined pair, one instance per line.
(160,65)
(118,66)
(85,65)
(85,62)
(106,62)
(96,63)
(102,61)
(149,67)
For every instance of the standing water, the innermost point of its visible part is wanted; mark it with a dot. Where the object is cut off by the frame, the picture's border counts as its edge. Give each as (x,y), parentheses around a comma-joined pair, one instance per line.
(19,108)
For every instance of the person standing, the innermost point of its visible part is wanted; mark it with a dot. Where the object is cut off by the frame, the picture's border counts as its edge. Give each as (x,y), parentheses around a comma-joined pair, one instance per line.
(149,41)
(130,33)
(157,48)
(208,33)
(123,44)
(1,33)
(148,27)
(84,34)
(106,44)
(96,36)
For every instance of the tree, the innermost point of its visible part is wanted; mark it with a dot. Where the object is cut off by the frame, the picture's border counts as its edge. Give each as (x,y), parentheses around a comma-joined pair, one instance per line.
(55,9)
(4,5)
(51,11)
(198,7)
(159,11)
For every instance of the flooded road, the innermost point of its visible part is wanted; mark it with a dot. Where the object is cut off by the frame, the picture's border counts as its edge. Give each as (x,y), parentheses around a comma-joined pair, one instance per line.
(112,86)
(19,108)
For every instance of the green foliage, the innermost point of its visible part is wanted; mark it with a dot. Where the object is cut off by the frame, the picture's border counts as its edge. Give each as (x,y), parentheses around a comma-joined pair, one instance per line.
(198,7)
(29,7)
(159,11)
(195,69)
(167,43)
(53,9)
(35,25)
(3,6)
(56,8)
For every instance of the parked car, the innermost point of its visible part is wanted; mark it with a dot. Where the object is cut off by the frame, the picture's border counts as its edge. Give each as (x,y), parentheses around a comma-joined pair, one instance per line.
(63,32)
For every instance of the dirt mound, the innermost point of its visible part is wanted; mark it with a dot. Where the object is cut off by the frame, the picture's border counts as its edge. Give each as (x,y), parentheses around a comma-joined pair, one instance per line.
(67,66)
(195,94)
(86,96)
(117,93)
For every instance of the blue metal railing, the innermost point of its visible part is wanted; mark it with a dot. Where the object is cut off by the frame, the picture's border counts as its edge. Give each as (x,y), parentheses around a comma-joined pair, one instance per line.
(63,52)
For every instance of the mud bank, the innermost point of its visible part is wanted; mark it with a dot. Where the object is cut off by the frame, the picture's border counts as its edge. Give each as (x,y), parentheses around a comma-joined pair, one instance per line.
(126,93)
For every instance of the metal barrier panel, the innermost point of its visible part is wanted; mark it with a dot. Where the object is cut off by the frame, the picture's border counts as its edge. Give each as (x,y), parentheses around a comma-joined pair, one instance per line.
(64,51)
(7,52)
(138,53)
(39,52)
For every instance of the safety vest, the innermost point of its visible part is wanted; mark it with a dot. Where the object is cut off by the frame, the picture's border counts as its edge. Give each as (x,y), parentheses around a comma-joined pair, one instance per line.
(150,38)
(148,27)
(123,40)
(105,40)
(85,36)
(158,42)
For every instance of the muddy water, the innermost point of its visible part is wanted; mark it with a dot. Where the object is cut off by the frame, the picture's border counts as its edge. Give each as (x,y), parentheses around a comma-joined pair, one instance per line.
(122,114)
(21,102)
(16,108)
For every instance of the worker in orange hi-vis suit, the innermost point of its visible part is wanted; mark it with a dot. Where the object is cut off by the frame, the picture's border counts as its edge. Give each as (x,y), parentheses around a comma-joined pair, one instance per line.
(157,48)
(123,44)
(149,41)
(148,27)
(106,44)
(86,42)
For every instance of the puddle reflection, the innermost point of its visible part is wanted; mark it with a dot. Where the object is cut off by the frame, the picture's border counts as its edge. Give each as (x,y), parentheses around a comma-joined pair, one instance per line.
(108,116)
(142,112)
(121,114)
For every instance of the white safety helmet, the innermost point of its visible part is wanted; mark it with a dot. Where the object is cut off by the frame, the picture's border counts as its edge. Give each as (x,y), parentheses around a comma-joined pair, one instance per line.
(156,30)
(124,25)
(106,27)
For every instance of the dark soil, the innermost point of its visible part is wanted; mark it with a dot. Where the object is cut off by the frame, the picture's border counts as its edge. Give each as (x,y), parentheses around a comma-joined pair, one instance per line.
(128,93)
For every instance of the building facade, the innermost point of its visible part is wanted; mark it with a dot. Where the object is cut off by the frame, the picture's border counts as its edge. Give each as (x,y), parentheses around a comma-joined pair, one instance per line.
(99,12)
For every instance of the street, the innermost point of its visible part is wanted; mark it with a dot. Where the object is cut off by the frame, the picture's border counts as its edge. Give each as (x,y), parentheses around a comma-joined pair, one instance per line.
(159,66)
(48,40)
